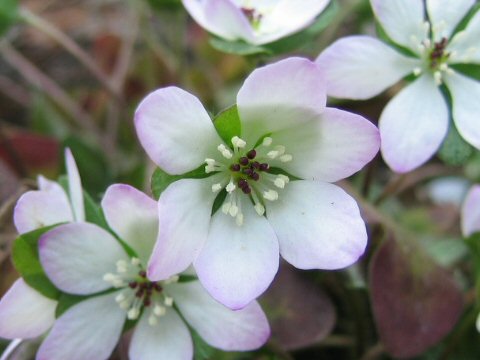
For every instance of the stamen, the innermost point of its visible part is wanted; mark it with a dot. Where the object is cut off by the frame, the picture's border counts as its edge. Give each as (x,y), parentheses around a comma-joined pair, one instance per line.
(168,301)
(417,71)
(159,310)
(281,181)
(226,153)
(260,209)
(231,186)
(152,320)
(251,154)
(135,261)
(216,187)
(239,219)
(239,143)
(270,195)
(286,158)
(267,141)
(437,75)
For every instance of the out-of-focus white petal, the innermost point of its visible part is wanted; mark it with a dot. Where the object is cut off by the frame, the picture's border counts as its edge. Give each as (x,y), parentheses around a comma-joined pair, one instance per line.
(360,67)
(402,20)
(413,125)
(445,16)
(74,187)
(88,330)
(133,216)
(229,330)
(466,106)
(464,46)
(168,339)
(471,212)
(25,313)
(175,130)
(77,256)
(318,226)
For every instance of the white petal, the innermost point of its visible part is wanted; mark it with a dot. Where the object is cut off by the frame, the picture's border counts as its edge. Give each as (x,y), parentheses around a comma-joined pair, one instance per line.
(331,147)
(25,313)
(184,210)
(277,96)
(402,20)
(445,17)
(471,212)
(318,226)
(351,63)
(175,130)
(466,106)
(229,330)
(77,256)
(133,216)
(36,209)
(413,125)
(75,187)
(220,17)
(288,17)
(168,339)
(88,330)
(238,263)
(464,46)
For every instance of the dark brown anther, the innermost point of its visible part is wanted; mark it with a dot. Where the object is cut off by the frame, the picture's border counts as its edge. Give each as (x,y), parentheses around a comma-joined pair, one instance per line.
(139,293)
(147,302)
(264,167)
(248,172)
(251,154)
(242,183)
(157,287)
(247,190)
(256,165)
(133,284)
(143,274)
(244,161)
(255,176)
(235,167)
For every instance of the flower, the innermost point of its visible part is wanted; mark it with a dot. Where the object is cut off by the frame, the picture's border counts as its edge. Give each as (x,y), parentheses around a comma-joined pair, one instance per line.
(24,312)
(84,259)
(256,22)
(415,122)
(285,125)
(471,212)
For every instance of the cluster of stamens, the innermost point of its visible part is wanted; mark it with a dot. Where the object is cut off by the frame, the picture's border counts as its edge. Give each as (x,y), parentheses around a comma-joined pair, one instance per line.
(253,16)
(249,171)
(139,292)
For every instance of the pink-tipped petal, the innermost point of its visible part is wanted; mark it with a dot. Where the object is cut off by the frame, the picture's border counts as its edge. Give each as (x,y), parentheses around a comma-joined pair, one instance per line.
(444,17)
(288,17)
(402,20)
(184,210)
(413,125)
(238,263)
(350,69)
(25,313)
(220,17)
(318,226)
(168,339)
(75,187)
(77,256)
(175,130)
(465,93)
(241,330)
(331,147)
(37,209)
(281,95)
(133,216)
(88,330)
(471,212)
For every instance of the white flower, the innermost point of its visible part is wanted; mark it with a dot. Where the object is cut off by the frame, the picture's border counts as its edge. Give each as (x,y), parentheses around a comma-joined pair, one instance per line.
(24,312)
(415,122)
(84,259)
(285,125)
(254,21)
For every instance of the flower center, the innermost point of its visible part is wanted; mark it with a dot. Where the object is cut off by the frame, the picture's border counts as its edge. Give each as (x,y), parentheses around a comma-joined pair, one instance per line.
(253,16)
(247,172)
(139,292)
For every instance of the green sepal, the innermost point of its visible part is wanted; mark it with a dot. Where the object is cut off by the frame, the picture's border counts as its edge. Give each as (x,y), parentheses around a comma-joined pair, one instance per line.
(26,260)
(237,47)
(161,180)
(203,351)
(66,301)
(227,123)
(187,278)
(470,70)
(8,14)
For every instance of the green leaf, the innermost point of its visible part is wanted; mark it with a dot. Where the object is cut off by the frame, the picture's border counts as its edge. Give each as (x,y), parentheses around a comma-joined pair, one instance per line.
(187,278)
(93,212)
(8,14)
(161,179)
(160,5)
(26,261)
(228,124)
(455,150)
(237,47)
